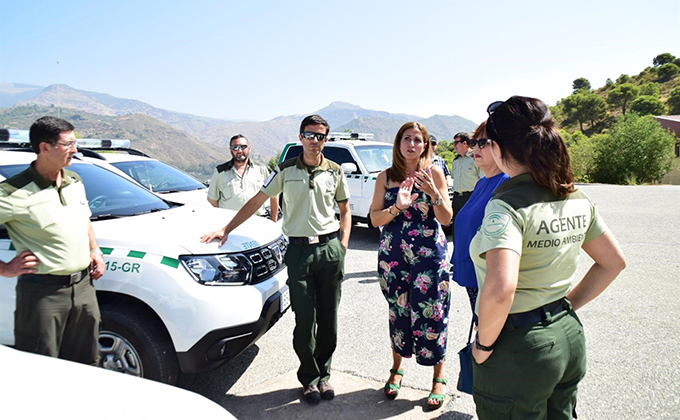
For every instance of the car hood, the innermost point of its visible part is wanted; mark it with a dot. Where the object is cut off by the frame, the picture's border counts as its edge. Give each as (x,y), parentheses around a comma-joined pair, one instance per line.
(177,231)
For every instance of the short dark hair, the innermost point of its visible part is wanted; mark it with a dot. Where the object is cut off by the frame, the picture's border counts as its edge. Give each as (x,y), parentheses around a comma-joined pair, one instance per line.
(47,130)
(433,140)
(463,136)
(236,137)
(313,120)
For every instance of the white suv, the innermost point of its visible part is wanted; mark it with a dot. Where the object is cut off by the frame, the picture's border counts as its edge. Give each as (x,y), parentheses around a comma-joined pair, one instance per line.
(168,301)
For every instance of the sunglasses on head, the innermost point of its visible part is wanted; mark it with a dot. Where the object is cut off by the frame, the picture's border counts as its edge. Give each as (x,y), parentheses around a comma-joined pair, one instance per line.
(239,147)
(491,126)
(309,135)
(482,143)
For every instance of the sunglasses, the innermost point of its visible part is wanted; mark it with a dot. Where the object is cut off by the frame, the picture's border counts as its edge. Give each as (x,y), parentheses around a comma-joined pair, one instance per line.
(482,143)
(491,126)
(239,147)
(309,135)
(458,142)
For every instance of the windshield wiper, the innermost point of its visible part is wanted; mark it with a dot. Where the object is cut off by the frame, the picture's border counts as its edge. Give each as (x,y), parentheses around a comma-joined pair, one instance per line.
(154,210)
(108,216)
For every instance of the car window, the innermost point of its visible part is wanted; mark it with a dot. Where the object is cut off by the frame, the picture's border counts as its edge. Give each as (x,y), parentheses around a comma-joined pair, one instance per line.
(158,176)
(375,157)
(107,193)
(293,152)
(340,156)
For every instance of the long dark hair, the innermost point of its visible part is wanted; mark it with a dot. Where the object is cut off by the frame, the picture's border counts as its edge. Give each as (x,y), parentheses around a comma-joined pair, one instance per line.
(397,172)
(526,132)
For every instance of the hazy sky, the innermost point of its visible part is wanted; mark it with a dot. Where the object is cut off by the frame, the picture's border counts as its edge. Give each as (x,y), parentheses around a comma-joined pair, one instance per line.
(261,59)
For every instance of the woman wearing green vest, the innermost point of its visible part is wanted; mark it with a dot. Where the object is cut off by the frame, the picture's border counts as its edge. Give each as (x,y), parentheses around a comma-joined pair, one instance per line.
(530,349)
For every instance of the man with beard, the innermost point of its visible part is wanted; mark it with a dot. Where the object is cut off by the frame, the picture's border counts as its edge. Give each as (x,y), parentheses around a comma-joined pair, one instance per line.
(237,181)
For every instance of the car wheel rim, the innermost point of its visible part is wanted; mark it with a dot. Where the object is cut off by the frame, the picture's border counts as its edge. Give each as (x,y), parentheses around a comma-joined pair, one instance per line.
(117,354)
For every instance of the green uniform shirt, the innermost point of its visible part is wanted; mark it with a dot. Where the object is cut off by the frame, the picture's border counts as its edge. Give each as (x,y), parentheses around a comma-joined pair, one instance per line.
(546,231)
(51,222)
(309,195)
(232,190)
(465,173)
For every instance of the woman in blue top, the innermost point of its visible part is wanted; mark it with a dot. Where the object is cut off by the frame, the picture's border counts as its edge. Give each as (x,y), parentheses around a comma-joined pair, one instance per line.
(470,217)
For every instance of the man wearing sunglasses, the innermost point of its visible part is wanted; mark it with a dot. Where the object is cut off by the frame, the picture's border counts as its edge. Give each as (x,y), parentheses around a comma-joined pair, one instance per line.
(465,174)
(237,181)
(312,186)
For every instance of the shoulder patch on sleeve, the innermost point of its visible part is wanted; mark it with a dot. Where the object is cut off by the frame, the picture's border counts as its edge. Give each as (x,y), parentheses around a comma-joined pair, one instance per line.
(495,223)
(269,179)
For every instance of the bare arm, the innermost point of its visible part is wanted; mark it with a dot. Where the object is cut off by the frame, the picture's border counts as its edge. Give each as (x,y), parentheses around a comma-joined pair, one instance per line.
(97,264)
(274,208)
(609,262)
(496,296)
(246,211)
(379,214)
(213,202)
(23,263)
(345,223)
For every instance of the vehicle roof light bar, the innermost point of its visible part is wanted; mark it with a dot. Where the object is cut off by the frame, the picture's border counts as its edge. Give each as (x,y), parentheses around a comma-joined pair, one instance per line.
(350,136)
(14,136)
(103,144)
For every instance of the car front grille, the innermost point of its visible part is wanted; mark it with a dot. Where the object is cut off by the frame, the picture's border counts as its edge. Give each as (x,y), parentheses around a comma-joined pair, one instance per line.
(267,260)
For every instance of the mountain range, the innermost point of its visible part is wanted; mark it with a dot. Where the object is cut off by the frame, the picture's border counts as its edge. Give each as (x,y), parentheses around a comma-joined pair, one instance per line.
(158,131)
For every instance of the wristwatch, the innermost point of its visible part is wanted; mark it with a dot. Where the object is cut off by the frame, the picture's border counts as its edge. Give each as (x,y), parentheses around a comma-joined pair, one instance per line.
(438,202)
(481,347)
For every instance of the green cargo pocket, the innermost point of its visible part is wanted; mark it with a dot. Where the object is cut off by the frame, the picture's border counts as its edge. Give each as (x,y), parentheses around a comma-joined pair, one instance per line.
(490,407)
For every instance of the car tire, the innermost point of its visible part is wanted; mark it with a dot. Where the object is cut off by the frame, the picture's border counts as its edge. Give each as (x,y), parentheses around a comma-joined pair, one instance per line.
(133,342)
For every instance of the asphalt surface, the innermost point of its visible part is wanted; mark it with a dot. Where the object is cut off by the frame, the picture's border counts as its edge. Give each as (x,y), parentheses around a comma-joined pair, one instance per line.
(632,333)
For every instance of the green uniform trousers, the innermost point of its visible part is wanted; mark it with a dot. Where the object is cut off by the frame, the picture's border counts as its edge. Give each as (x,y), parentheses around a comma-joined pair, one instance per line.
(315,274)
(533,372)
(57,320)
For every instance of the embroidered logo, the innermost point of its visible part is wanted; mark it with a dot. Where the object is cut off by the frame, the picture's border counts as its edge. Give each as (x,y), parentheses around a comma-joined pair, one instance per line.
(495,223)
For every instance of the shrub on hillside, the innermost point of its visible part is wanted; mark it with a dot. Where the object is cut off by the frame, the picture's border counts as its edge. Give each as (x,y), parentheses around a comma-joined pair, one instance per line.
(668,71)
(673,101)
(648,105)
(636,150)
(582,154)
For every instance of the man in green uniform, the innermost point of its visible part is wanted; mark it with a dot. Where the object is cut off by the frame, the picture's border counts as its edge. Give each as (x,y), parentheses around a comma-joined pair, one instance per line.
(237,181)
(465,174)
(47,216)
(311,187)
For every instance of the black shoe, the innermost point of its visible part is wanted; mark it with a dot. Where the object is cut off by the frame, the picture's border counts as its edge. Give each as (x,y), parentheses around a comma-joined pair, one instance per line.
(327,391)
(311,394)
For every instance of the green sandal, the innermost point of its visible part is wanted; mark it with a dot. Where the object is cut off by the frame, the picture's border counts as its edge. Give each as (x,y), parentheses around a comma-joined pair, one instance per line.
(394,387)
(438,397)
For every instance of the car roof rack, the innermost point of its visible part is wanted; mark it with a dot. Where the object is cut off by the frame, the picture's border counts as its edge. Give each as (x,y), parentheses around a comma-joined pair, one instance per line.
(349,136)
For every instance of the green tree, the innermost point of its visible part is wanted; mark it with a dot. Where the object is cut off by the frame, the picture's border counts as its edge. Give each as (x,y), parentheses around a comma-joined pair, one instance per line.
(584,107)
(662,59)
(622,95)
(624,78)
(677,61)
(274,161)
(650,89)
(581,84)
(582,153)
(636,149)
(667,72)
(648,105)
(609,82)
(673,101)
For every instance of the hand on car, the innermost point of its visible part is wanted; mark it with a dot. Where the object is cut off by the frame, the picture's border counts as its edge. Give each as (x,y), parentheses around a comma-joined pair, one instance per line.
(218,234)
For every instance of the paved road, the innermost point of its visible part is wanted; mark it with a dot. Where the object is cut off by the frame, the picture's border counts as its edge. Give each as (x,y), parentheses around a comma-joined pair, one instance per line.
(632,332)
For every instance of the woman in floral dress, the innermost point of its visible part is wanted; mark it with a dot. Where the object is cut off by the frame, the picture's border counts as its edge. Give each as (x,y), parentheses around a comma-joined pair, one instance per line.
(411,203)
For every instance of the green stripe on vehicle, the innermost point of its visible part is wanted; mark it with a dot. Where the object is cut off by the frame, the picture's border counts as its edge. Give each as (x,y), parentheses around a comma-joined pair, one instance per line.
(11,247)
(106,251)
(136,254)
(170,262)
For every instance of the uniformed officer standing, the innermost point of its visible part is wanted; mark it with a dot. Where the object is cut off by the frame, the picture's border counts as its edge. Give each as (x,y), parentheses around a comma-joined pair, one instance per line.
(48,218)
(311,186)
(465,174)
(237,181)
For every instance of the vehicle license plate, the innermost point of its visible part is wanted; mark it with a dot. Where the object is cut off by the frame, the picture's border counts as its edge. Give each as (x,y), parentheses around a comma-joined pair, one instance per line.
(285,299)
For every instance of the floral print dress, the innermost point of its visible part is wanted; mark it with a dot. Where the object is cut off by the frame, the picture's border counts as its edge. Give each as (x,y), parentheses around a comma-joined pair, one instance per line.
(414,278)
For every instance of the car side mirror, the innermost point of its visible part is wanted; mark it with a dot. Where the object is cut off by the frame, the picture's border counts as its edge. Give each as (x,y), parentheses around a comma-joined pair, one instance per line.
(349,168)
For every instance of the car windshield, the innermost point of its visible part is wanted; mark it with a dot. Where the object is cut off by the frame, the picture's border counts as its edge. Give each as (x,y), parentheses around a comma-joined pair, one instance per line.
(158,177)
(108,194)
(375,157)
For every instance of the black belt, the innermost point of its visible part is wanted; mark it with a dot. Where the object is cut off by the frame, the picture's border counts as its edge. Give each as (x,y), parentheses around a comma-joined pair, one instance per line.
(58,280)
(537,315)
(462,193)
(312,240)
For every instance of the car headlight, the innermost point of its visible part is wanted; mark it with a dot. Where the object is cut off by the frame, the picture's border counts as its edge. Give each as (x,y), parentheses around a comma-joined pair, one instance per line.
(227,269)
